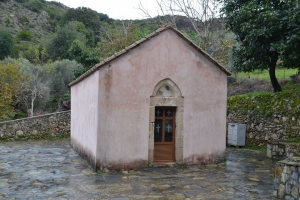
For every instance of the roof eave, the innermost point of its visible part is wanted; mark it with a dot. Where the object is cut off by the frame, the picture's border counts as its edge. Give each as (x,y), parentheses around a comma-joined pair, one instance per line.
(139,42)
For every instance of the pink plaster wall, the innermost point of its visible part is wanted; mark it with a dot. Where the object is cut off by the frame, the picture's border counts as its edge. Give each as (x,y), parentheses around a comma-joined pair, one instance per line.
(125,87)
(84,116)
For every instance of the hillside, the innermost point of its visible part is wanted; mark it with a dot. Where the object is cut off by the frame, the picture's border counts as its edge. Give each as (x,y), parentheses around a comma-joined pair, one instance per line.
(48,45)
(16,16)
(42,17)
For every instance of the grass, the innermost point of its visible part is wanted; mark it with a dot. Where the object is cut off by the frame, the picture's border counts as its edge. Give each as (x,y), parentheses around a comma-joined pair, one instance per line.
(288,87)
(254,94)
(283,74)
(293,139)
(262,149)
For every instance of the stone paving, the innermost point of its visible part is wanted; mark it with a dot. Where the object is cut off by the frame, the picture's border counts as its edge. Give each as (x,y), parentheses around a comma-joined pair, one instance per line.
(53,170)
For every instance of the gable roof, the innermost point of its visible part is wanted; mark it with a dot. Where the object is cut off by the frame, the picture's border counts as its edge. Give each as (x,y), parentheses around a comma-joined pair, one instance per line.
(165,27)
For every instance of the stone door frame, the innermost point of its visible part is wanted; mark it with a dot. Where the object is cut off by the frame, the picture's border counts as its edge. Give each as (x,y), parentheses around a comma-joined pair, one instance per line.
(176,100)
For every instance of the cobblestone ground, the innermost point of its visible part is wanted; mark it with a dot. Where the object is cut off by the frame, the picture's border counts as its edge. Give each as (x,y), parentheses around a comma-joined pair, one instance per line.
(53,170)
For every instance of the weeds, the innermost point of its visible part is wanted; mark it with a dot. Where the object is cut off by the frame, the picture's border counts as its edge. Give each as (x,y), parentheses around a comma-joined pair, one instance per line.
(293,139)
(262,149)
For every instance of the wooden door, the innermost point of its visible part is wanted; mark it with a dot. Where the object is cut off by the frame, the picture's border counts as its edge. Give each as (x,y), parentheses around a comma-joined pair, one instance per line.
(164,134)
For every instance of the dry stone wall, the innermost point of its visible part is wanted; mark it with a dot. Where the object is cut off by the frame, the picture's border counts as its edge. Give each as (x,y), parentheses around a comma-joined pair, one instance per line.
(268,118)
(287,180)
(50,126)
(280,150)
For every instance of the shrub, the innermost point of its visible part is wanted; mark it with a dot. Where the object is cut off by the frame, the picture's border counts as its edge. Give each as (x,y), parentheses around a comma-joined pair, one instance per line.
(6,44)
(7,21)
(52,13)
(35,5)
(24,35)
(24,19)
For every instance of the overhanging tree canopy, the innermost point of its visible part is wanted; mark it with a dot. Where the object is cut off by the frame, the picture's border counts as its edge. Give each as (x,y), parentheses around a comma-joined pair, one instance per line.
(268,31)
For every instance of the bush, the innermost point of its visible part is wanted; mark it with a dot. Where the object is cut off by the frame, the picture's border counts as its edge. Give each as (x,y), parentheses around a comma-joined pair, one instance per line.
(35,5)
(11,82)
(6,44)
(24,35)
(53,14)
(24,19)
(7,21)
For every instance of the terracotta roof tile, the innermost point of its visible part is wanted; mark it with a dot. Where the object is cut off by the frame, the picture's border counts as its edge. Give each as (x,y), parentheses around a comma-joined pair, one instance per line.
(137,43)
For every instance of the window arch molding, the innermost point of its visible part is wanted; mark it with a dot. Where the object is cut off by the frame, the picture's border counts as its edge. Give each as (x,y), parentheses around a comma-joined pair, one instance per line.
(166,88)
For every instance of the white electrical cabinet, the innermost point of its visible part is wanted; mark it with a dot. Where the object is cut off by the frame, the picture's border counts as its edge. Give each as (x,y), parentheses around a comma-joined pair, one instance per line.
(236,134)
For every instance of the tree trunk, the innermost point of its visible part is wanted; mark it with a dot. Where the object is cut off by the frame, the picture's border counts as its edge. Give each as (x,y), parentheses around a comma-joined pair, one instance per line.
(273,61)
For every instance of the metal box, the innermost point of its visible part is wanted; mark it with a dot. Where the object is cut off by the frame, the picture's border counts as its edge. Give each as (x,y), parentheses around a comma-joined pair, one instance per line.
(236,134)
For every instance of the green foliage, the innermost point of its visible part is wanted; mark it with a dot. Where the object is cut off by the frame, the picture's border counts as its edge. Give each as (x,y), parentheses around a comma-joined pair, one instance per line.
(117,36)
(267,31)
(6,44)
(293,139)
(34,54)
(35,5)
(62,73)
(262,148)
(24,35)
(85,15)
(45,85)
(59,45)
(54,17)
(264,74)
(261,104)
(12,82)
(56,3)
(88,57)
(24,19)
(22,1)
(7,21)
(84,34)
(105,18)
(40,136)
(53,14)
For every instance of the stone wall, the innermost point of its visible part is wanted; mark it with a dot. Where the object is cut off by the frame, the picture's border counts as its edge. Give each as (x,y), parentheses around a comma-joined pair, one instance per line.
(287,180)
(262,129)
(268,118)
(50,126)
(281,150)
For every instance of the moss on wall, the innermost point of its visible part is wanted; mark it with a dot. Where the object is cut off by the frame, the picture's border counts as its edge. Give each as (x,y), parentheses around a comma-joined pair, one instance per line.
(41,136)
(285,103)
(269,116)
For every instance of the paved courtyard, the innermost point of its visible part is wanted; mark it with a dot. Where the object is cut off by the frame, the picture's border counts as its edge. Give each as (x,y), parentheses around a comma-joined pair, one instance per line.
(53,170)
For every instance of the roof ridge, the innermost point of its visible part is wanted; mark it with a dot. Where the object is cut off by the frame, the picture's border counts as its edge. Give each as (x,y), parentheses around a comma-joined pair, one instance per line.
(164,27)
